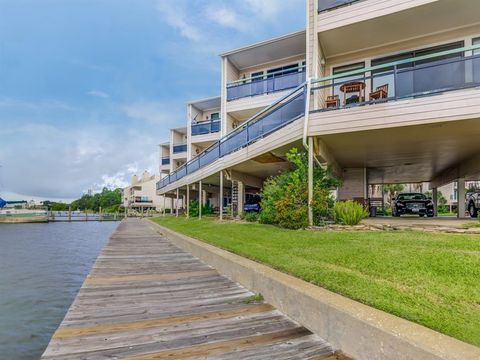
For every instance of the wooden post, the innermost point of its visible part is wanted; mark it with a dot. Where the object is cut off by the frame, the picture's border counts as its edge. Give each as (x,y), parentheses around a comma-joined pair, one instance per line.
(69,214)
(100,214)
(221,195)
(310,181)
(188,201)
(125,213)
(200,199)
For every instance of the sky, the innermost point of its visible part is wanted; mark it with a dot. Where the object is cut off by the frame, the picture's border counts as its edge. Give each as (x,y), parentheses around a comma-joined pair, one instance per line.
(89,88)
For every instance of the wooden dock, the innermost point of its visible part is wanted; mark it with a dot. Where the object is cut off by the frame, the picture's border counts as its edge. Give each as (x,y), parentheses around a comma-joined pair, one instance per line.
(147,299)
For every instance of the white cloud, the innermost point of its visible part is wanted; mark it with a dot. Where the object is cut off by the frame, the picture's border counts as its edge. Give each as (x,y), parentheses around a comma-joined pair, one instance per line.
(98,93)
(47,161)
(154,113)
(176,14)
(225,17)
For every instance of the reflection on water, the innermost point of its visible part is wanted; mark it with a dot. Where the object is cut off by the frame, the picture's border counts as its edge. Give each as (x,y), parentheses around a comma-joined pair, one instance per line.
(42,266)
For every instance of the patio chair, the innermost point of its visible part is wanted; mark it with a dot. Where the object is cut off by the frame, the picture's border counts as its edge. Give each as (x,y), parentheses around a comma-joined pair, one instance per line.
(381,92)
(333,101)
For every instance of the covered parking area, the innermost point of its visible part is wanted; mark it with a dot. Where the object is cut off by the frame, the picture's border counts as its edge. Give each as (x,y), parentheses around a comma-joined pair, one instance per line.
(437,153)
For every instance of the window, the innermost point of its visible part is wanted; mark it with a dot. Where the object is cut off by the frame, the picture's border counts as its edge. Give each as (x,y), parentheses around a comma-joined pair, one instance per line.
(422,80)
(282,70)
(476,41)
(344,69)
(257,76)
(476,62)
(215,116)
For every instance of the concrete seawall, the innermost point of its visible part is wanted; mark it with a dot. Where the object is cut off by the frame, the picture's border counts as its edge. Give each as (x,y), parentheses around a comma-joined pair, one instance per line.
(359,330)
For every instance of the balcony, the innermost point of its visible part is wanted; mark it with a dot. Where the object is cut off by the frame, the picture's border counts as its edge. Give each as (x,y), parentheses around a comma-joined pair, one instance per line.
(325,5)
(166,160)
(262,84)
(205,127)
(179,148)
(142,200)
(415,77)
(283,112)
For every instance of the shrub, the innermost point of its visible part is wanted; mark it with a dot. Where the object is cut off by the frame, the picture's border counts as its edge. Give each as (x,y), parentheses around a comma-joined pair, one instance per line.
(194,206)
(349,212)
(285,196)
(250,216)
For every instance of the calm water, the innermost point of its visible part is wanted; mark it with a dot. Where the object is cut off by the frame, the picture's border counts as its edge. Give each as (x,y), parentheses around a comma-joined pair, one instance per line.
(42,266)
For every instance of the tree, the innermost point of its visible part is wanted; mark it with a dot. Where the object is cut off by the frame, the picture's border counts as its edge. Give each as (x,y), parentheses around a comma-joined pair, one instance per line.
(285,196)
(391,190)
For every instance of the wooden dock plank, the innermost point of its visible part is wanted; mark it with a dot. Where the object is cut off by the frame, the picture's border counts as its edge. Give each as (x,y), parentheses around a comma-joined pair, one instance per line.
(146,299)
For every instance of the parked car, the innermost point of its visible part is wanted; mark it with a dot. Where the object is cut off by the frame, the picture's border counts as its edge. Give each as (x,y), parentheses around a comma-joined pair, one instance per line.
(413,203)
(252,203)
(473,203)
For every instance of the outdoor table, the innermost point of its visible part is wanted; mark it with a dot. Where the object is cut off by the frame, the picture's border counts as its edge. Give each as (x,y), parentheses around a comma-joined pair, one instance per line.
(353,87)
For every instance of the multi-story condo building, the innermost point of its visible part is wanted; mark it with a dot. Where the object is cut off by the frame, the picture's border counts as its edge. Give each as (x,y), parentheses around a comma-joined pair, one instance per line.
(140,196)
(383,91)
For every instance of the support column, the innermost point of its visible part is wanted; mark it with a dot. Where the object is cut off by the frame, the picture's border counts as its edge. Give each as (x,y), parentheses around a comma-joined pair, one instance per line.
(221,195)
(200,199)
(164,204)
(241,198)
(176,205)
(435,201)
(232,202)
(461,198)
(310,181)
(188,201)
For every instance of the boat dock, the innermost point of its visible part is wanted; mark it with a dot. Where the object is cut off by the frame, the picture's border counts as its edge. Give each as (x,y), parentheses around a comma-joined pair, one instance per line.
(147,299)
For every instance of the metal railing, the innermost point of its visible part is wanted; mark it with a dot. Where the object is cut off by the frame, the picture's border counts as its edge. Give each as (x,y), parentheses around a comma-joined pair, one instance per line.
(265,84)
(205,127)
(281,113)
(165,161)
(409,78)
(324,5)
(179,148)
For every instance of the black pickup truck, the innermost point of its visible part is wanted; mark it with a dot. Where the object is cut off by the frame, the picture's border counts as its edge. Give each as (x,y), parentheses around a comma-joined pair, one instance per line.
(473,203)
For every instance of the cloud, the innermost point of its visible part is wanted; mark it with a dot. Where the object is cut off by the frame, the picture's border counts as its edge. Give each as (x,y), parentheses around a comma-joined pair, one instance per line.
(98,93)
(154,113)
(48,161)
(176,15)
(225,17)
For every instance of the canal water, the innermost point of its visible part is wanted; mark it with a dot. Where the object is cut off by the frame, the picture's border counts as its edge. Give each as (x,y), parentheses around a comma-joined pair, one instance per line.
(42,267)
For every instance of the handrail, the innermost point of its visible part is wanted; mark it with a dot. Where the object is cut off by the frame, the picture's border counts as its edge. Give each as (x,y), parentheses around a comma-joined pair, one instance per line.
(252,120)
(396,63)
(262,77)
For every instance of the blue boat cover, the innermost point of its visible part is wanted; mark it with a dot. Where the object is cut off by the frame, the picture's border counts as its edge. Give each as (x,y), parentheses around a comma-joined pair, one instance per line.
(2,203)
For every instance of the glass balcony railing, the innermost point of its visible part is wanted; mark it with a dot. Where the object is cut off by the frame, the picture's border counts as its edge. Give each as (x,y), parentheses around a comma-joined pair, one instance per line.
(283,112)
(324,5)
(261,85)
(165,161)
(179,148)
(205,127)
(409,78)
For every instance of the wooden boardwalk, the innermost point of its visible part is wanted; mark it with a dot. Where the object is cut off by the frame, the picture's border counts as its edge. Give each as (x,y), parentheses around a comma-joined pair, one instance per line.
(147,299)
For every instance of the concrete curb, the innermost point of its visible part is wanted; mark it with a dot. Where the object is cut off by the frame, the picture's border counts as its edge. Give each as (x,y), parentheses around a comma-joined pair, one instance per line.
(357,329)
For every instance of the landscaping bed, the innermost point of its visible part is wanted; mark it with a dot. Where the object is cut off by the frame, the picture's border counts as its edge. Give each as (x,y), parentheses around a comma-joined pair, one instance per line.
(428,278)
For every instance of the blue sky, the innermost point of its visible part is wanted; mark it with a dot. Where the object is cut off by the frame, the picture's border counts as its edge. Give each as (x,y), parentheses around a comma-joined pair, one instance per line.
(89,88)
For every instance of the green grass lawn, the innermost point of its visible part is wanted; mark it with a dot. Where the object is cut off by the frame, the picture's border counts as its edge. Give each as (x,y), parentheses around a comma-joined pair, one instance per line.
(432,279)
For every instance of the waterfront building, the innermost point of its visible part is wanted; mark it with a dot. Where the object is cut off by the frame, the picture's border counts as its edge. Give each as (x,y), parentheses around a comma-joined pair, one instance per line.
(382,91)
(140,196)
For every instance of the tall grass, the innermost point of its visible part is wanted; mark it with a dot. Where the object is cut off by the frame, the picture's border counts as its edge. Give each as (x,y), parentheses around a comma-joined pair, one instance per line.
(349,212)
